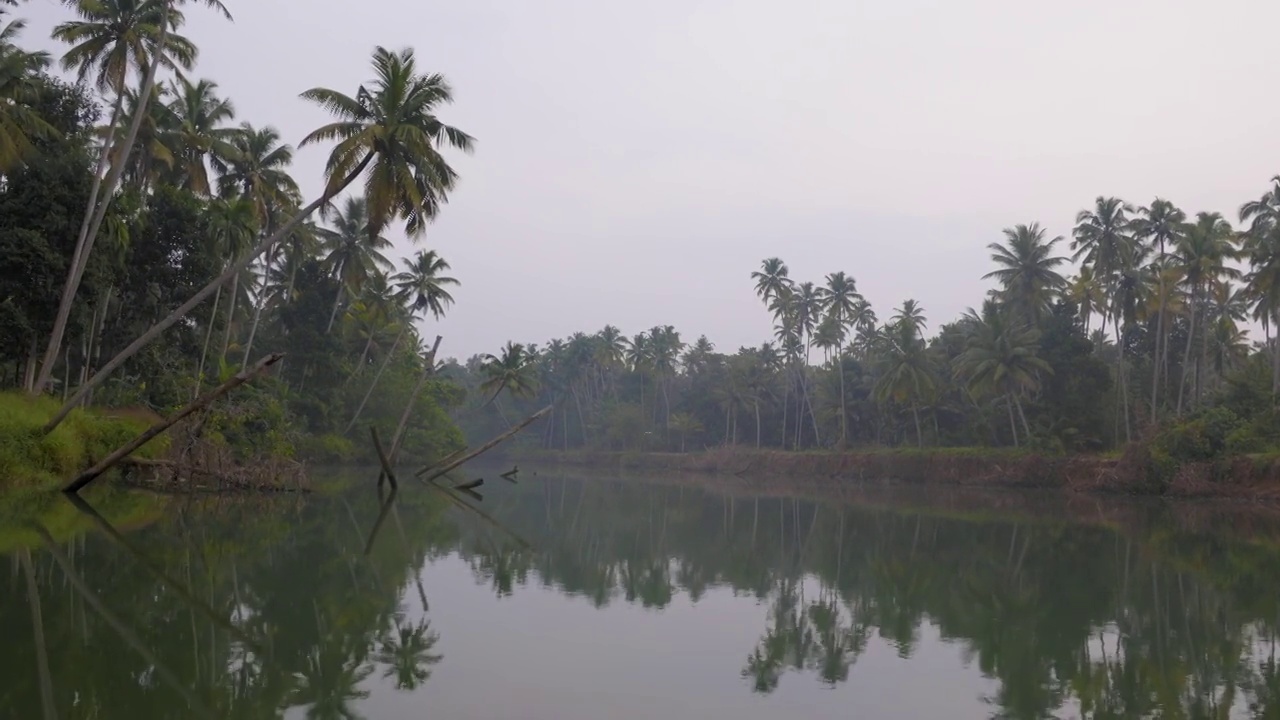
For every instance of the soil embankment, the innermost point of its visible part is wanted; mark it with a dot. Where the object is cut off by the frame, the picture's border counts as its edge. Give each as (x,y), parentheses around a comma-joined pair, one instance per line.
(1241,478)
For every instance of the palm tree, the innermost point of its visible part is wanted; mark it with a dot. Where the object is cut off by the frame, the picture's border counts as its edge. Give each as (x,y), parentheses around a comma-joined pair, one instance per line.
(907,375)
(1262,246)
(422,284)
(392,128)
(257,169)
(840,300)
(1001,360)
(233,225)
(1088,294)
(1102,242)
(684,424)
(772,283)
(1202,253)
(1028,273)
(353,253)
(114,34)
(198,134)
(19,123)
(512,370)
(1159,224)
(389,130)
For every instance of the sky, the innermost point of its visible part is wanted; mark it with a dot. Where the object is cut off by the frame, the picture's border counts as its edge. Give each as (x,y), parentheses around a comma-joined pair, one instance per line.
(635,162)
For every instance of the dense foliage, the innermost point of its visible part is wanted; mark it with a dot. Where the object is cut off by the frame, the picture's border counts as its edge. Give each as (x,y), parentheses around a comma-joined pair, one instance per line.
(134,190)
(1151,330)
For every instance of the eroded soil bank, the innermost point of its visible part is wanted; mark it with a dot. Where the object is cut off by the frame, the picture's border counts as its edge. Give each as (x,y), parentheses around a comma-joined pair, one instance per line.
(1237,478)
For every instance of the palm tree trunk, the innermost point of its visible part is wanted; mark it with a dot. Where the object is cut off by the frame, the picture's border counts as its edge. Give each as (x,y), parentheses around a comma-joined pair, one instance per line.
(1186,356)
(1275,365)
(582,421)
(258,304)
(428,369)
(89,233)
(1202,364)
(804,384)
(208,333)
(757,404)
(231,315)
(364,355)
(377,376)
(1026,429)
(915,413)
(782,439)
(1155,356)
(1013,425)
(844,415)
(1124,384)
(181,311)
(337,297)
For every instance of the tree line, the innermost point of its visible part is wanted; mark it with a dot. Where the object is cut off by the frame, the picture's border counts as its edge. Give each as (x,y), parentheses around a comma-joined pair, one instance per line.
(1151,330)
(153,242)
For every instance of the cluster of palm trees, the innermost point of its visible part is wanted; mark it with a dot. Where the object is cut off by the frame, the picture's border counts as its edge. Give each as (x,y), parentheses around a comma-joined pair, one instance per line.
(166,132)
(1152,326)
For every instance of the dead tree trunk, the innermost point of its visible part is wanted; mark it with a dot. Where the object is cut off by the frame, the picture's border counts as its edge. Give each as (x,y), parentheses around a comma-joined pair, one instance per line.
(434,472)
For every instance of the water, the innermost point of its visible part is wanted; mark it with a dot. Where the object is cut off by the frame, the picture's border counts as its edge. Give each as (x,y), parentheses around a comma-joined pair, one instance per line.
(642,600)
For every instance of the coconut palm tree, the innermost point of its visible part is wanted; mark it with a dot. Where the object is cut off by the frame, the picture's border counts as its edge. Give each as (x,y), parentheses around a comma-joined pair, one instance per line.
(1262,246)
(907,376)
(910,314)
(233,225)
(257,169)
(1001,360)
(94,39)
(513,370)
(389,131)
(1203,254)
(352,252)
(840,300)
(19,123)
(422,284)
(1028,274)
(199,136)
(772,282)
(1160,225)
(392,129)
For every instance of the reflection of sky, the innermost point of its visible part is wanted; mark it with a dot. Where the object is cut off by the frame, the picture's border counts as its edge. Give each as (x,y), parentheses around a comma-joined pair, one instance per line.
(540,655)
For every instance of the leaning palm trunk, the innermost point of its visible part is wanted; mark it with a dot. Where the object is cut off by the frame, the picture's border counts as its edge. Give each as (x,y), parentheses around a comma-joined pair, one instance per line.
(208,333)
(1013,424)
(1026,429)
(337,297)
(258,304)
(377,376)
(231,314)
(98,210)
(181,311)
(1186,355)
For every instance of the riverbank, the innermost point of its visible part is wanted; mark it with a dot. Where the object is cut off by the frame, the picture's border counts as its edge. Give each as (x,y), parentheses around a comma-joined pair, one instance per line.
(33,460)
(1241,477)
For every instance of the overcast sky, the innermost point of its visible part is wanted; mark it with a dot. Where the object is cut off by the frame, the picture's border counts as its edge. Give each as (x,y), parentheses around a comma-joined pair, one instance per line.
(636,161)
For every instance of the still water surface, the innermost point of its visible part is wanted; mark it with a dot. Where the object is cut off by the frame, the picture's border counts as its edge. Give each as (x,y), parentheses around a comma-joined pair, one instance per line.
(591,598)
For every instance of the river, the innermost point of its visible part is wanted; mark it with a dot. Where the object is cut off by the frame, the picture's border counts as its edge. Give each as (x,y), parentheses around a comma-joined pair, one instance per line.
(587,597)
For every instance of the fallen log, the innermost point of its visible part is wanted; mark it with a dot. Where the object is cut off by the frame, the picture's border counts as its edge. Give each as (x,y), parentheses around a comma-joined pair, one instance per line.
(387,471)
(434,472)
(128,448)
(472,485)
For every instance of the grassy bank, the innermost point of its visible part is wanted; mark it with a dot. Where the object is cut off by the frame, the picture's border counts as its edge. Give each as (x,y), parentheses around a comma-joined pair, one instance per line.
(30,460)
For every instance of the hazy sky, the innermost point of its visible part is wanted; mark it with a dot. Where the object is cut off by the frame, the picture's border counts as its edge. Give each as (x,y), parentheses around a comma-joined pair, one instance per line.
(636,161)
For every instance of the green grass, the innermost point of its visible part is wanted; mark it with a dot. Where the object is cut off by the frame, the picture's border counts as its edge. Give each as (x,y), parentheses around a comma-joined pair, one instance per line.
(32,460)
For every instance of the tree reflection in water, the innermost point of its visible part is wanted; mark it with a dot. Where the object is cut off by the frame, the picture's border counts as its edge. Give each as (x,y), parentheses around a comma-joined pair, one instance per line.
(253,607)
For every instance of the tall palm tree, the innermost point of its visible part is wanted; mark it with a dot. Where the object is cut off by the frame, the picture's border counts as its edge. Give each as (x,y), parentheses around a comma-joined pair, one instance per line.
(1159,224)
(199,136)
(1102,242)
(907,376)
(1262,246)
(1028,273)
(423,285)
(352,252)
(772,282)
(257,169)
(840,300)
(1088,294)
(512,370)
(106,40)
(19,123)
(911,314)
(391,131)
(1203,253)
(1001,360)
(232,224)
